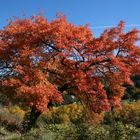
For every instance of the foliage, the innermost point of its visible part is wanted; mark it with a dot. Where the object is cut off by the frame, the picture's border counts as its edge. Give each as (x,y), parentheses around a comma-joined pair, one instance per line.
(45,59)
(129,114)
(17,111)
(133,91)
(124,132)
(85,132)
(72,129)
(73,113)
(6,135)
(136,79)
(76,132)
(11,117)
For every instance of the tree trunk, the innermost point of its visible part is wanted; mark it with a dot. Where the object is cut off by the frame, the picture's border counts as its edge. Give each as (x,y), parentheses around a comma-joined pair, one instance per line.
(30,120)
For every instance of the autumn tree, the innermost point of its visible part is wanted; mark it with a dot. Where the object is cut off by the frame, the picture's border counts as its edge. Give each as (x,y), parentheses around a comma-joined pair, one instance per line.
(40,61)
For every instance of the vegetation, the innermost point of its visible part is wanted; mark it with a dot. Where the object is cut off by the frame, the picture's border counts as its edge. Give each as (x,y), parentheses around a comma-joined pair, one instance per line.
(57,81)
(117,125)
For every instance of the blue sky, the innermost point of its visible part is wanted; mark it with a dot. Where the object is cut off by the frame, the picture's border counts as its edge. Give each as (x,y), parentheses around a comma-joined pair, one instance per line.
(95,12)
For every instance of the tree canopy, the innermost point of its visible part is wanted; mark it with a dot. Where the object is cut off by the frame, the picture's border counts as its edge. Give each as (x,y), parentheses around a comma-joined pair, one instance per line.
(40,61)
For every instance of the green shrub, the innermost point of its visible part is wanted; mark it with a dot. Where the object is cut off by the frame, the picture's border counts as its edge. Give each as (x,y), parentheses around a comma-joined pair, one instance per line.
(123,132)
(118,131)
(129,114)
(6,135)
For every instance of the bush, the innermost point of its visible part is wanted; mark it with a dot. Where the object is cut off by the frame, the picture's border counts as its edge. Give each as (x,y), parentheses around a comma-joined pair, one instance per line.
(66,114)
(129,114)
(123,132)
(11,117)
(118,131)
(61,132)
(72,113)
(6,135)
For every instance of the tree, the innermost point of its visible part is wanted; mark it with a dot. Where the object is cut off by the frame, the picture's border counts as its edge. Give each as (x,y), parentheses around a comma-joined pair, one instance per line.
(133,91)
(40,61)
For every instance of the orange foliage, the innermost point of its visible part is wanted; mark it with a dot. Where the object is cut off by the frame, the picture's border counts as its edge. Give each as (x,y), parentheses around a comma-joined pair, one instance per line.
(39,60)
